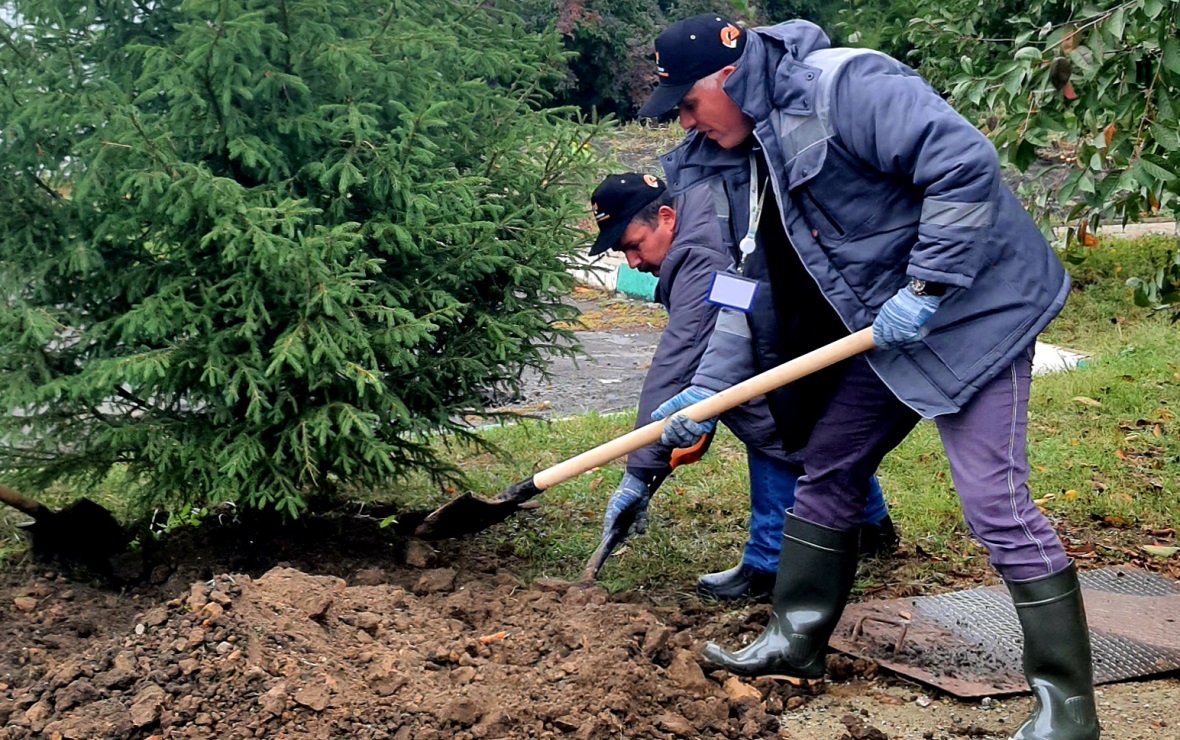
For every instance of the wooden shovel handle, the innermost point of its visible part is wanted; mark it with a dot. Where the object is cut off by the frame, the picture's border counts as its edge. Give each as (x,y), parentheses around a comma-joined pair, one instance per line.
(19,502)
(759,385)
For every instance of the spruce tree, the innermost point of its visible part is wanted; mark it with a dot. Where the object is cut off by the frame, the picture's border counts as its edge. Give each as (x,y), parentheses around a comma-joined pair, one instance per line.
(255,248)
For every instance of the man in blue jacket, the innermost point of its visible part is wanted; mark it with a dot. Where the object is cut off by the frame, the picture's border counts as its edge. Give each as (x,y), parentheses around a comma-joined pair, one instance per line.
(885,208)
(683,242)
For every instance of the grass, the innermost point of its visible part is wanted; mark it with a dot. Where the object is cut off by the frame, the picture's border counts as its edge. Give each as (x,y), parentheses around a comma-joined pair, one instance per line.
(636,146)
(1104,445)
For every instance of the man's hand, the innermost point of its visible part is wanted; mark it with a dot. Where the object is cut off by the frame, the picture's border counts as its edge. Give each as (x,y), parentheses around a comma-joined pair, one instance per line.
(627,508)
(682,431)
(902,317)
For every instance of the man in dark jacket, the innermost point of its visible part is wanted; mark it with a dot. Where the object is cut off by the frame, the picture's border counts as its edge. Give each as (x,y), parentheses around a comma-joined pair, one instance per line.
(683,243)
(886,208)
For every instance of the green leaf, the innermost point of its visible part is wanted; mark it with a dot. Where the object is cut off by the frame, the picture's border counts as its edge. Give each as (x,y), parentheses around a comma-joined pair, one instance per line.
(1171,55)
(1165,136)
(1028,52)
(1161,551)
(1152,8)
(1163,105)
(1155,169)
(1116,24)
(1014,81)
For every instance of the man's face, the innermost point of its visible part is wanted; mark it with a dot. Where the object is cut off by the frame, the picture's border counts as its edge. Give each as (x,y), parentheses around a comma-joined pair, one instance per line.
(707,110)
(646,246)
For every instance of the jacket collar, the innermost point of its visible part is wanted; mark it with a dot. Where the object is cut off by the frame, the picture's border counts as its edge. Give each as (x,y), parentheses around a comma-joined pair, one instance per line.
(770,74)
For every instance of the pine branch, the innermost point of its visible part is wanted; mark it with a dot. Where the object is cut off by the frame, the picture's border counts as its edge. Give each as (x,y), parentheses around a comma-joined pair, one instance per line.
(7,39)
(151,145)
(208,77)
(37,181)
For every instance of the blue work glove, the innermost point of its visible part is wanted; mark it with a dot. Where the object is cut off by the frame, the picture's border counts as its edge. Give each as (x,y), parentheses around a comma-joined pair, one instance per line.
(682,431)
(627,507)
(902,317)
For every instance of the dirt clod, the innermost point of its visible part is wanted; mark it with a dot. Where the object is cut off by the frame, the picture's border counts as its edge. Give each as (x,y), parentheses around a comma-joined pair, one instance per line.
(858,729)
(436,581)
(741,693)
(369,577)
(145,708)
(314,695)
(420,555)
(677,725)
(686,672)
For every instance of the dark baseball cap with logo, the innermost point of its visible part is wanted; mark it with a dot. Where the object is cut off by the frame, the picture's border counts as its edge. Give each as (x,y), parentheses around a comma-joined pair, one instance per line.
(687,52)
(615,203)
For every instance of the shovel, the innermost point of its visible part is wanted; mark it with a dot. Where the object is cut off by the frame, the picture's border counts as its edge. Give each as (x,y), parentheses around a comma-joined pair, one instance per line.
(470,513)
(82,533)
(613,539)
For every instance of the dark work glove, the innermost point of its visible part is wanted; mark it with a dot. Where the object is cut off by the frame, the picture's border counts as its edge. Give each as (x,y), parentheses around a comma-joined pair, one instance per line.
(627,507)
(682,431)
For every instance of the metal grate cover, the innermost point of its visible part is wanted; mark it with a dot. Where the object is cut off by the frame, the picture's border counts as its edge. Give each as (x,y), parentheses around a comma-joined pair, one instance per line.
(968,643)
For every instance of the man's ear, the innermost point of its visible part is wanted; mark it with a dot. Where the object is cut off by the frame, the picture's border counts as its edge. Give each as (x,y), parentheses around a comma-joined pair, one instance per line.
(667,217)
(726,72)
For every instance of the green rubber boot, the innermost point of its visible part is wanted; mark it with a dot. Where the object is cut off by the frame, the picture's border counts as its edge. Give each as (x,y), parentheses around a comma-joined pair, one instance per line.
(817,567)
(1057,659)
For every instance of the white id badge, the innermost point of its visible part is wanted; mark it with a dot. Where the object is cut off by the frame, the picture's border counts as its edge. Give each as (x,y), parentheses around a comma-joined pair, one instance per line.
(732,291)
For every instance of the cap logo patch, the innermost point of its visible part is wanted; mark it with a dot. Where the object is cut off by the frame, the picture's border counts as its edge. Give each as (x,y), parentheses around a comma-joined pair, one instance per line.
(598,215)
(730,35)
(651,181)
(659,67)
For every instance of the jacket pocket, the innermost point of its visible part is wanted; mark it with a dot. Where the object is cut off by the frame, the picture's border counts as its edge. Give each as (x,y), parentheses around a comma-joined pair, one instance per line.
(822,219)
(969,338)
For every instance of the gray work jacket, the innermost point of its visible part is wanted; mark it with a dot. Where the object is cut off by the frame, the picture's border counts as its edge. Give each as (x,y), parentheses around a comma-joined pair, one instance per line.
(698,251)
(878,181)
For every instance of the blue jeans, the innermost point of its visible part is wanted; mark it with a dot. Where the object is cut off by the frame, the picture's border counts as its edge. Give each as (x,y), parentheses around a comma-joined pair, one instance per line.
(772,493)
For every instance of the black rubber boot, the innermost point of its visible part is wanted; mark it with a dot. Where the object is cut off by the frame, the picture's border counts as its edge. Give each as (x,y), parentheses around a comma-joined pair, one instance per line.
(879,540)
(742,582)
(1057,660)
(816,571)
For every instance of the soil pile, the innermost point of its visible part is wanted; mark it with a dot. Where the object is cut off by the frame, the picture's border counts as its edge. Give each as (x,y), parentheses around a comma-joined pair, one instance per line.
(385,654)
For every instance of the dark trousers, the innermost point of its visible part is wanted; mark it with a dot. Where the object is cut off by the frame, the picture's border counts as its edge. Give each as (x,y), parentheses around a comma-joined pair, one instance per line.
(985,443)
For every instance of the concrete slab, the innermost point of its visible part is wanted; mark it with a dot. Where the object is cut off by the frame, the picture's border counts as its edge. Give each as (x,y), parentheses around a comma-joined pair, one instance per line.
(599,272)
(1131,231)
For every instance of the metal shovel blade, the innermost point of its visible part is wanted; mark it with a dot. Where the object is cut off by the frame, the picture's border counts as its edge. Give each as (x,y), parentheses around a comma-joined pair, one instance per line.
(82,533)
(469,513)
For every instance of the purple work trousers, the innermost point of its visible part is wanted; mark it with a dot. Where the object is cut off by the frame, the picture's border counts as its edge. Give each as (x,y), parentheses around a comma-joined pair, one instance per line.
(985,443)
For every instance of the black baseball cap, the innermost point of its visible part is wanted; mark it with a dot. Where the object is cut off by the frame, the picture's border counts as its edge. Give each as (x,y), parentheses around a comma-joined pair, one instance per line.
(687,52)
(615,203)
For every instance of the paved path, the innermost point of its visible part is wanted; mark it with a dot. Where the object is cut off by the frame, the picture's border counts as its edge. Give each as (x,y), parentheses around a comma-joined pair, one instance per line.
(610,377)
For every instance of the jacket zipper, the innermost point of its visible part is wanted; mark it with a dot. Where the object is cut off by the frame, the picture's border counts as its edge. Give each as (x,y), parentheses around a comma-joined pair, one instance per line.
(824,212)
(786,232)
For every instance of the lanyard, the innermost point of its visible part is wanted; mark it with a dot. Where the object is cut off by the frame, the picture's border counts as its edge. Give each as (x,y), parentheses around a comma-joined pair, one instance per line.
(757,194)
